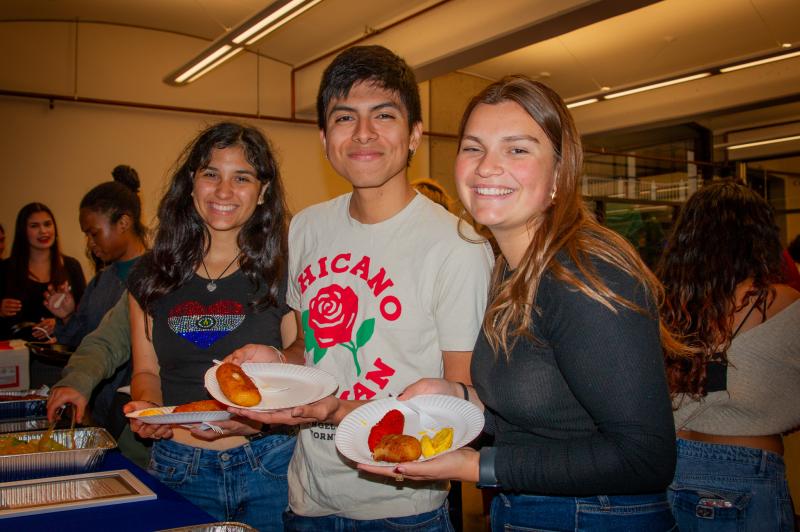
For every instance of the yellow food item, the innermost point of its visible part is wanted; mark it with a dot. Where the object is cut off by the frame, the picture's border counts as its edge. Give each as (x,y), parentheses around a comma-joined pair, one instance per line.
(150,412)
(237,386)
(440,442)
(11,445)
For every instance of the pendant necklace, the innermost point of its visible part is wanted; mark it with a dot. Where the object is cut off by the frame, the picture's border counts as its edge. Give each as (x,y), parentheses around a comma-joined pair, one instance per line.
(212,283)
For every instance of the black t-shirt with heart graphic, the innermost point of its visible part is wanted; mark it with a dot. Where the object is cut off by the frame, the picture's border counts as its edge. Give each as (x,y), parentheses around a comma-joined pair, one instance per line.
(192,326)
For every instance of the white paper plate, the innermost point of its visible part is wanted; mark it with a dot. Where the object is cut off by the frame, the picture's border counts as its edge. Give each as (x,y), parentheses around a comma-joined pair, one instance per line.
(303,385)
(353,432)
(181,418)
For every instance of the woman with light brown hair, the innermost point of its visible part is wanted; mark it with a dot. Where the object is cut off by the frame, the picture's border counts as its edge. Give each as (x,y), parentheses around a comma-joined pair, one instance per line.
(568,367)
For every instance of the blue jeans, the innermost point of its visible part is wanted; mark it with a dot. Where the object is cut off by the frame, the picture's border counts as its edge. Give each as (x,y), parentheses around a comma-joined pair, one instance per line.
(617,513)
(725,487)
(245,484)
(435,521)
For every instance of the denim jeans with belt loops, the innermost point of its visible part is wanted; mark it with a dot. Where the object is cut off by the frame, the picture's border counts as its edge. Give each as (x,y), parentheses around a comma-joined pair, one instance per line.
(246,484)
(612,513)
(730,488)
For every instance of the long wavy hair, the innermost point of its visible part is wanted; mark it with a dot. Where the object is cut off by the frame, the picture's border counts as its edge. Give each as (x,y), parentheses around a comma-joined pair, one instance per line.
(565,226)
(725,234)
(19,271)
(182,238)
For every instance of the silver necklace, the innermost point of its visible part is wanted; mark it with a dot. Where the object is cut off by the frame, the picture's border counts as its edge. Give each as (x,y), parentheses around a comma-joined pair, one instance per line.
(212,283)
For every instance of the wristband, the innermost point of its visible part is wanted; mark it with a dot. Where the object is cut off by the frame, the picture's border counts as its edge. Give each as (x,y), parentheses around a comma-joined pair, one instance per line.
(486,474)
(465,390)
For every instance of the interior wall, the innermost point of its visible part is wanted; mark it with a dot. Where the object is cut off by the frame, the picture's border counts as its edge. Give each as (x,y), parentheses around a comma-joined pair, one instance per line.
(54,153)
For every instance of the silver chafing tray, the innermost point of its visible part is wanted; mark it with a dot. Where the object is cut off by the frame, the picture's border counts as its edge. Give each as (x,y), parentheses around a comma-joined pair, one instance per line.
(23,425)
(91,444)
(25,403)
(26,497)
(222,526)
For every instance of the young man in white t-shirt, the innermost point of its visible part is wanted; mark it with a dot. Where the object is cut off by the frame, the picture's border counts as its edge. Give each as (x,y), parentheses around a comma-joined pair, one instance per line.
(385,290)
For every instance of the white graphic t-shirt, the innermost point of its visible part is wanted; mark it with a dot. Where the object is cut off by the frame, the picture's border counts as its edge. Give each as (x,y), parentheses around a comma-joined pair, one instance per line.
(379,303)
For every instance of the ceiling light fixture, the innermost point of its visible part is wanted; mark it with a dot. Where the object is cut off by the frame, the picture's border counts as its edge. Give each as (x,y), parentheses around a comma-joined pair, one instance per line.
(763,142)
(582,102)
(234,41)
(657,85)
(666,83)
(757,62)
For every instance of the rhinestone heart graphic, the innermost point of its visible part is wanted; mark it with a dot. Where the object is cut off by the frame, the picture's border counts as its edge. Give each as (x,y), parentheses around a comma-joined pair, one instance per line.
(203,325)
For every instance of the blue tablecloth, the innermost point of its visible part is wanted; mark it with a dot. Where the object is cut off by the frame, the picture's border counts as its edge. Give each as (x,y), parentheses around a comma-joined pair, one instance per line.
(169,510)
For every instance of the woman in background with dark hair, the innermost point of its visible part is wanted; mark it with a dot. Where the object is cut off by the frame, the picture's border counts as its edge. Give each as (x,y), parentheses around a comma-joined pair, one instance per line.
(214,281)
(110,217)
(35,262)
(738,393)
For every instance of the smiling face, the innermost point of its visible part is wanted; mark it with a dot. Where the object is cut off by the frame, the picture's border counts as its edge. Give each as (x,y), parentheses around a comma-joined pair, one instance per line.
(41,230)
(505,168)
(107,241)
(367,136)
(227,190)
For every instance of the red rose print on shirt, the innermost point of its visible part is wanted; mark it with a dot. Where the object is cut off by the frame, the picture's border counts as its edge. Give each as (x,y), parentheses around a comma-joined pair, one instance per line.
(329,321)
(331,315)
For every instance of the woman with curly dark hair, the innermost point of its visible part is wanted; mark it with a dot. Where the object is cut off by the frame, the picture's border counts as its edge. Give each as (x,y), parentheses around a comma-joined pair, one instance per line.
(214,281)
(734,397)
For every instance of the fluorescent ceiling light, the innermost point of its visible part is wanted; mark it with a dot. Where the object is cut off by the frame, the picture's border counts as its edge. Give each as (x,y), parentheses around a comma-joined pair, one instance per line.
(582,103)
(301,5)
(763,142)
(231,43)
(215,64)
(760,62)
(657,85)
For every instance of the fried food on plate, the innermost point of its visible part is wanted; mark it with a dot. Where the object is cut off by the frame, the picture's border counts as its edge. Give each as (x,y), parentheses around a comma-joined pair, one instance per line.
(391,423)
(207,405)
(237,386)
(397,448)
(151,412)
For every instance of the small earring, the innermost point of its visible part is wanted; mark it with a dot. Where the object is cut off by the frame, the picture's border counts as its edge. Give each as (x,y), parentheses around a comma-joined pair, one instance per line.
(260,201)
(553,194)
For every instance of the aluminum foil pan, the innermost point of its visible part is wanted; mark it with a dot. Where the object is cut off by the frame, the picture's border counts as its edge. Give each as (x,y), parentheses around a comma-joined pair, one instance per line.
(15,405)
(222,526)
(23,425)
(91,444)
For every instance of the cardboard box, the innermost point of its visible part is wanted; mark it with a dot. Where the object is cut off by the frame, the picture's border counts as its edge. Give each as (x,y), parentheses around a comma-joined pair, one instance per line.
(14,366)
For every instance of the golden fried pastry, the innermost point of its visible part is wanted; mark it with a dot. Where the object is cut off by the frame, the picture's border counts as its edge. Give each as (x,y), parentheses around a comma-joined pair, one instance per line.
(207,405)
(397,448)
(151,412)
(237,386)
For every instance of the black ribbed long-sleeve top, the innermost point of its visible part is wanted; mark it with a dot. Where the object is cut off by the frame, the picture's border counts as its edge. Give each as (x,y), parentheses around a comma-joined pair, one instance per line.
(586,410)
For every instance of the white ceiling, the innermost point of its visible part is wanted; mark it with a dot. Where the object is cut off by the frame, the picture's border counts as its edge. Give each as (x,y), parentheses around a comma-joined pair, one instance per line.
(660,39)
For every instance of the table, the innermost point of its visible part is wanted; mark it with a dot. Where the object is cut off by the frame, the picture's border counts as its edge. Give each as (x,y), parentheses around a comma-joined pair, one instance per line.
(169,510)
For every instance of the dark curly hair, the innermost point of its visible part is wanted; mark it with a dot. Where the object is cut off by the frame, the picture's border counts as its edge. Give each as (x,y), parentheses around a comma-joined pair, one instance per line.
(182,238)
(725,234)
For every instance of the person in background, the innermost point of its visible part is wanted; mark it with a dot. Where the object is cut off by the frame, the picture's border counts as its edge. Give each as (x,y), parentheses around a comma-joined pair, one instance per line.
(214,281)
(35,263)
(385,289)
(738,392)
(110,217)
(790,257)
(568,366)
(434,191)
(2,241)
(794,250)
